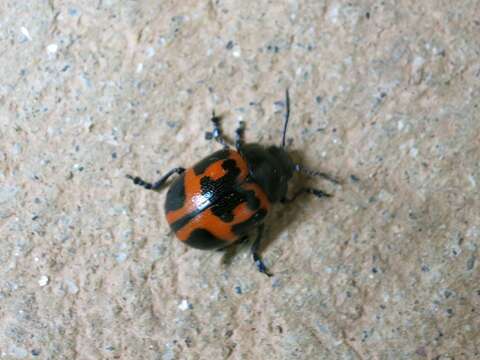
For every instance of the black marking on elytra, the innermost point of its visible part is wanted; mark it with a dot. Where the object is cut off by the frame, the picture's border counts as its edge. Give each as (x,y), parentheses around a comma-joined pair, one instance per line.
(176,194)
(200,167)
(253,203)
(204,239)
(223,194)
(226,193)
(225,205)
(254,220)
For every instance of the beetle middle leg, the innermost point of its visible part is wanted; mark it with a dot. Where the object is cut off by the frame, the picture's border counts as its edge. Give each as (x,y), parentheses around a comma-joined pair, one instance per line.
(255,248)
(231,250)
(217,132)
(158,184)
(240,241)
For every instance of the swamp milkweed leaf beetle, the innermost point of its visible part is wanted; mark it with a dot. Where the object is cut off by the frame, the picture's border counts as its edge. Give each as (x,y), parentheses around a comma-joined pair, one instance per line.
(217,202)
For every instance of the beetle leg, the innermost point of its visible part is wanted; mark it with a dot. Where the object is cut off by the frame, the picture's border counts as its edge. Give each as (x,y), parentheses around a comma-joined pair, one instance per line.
(256,257)
(316,192)
(240,241)
(240,135)
(299,168)
(217,133)
(158,184)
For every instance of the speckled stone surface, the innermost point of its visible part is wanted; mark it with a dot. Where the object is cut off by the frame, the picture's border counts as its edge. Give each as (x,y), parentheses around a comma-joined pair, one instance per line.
(385,95)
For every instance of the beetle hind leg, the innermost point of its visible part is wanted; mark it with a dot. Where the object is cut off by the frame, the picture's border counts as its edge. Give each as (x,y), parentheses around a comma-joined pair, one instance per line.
(158,184)
(231,250)
(316,192)
(307,190)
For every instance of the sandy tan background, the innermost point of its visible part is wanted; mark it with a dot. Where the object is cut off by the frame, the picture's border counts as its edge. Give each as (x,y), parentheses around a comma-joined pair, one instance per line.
(387,91)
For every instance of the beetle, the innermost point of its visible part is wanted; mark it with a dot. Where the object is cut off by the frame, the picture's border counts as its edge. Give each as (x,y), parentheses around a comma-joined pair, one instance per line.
(218,201)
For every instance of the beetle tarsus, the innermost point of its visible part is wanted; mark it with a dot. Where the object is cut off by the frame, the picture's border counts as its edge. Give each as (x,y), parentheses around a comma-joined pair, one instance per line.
(261,266)
(318,193)
(254,249)
(158,184)
(240,135)
(217,132)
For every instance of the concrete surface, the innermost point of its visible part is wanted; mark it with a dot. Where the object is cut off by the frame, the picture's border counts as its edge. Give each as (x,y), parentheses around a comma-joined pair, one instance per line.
(386,91)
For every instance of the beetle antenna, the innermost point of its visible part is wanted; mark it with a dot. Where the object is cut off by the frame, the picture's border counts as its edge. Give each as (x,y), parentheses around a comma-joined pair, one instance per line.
(287,116)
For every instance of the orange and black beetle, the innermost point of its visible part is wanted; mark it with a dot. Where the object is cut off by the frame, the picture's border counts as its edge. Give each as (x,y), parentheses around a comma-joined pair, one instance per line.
(218,201)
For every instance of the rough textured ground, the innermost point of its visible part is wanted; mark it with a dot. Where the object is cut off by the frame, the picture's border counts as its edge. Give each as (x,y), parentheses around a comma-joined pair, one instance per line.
(387,91)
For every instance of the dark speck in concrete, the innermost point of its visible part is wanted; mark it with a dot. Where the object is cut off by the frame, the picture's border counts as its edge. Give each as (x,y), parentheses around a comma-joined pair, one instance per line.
(354,178)
(273,48)
(171,124)
(35,352)
(425,268)
(471,262)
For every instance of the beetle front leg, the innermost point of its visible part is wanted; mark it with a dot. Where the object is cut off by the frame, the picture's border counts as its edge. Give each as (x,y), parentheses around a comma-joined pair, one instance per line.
(217,133)
(240,135)
(158,184)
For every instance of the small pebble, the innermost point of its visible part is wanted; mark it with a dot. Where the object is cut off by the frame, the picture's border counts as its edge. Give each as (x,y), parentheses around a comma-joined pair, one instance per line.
(185,305)
(25,33)
(52,48)
(237,52)
(43,280)
(150,52)
(121,257)
(72,12)
(72,288)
